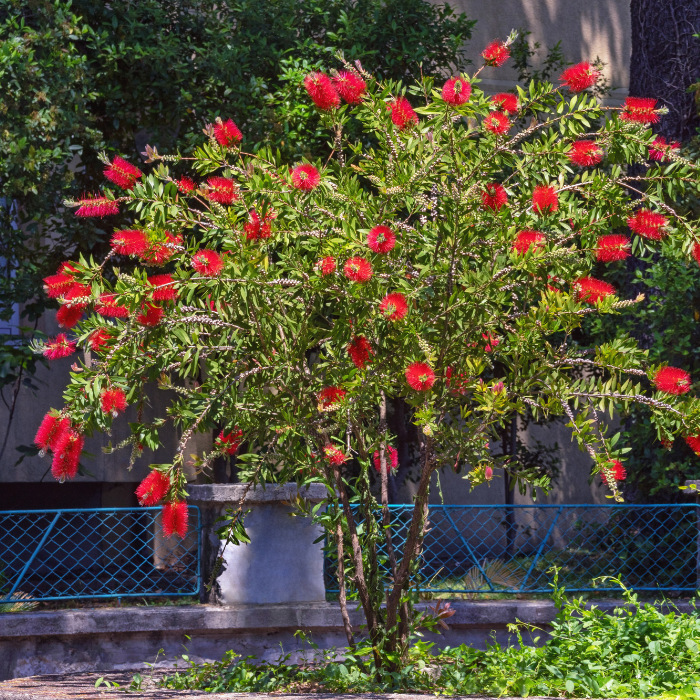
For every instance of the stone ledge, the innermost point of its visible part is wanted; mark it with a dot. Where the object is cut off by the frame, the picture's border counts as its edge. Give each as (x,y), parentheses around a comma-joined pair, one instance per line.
(232,493)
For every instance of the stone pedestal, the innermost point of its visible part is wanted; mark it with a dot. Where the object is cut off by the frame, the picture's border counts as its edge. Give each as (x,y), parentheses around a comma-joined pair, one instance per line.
(281,564)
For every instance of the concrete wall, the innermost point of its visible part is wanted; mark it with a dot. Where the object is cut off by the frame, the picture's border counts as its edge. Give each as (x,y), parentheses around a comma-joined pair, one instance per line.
(587,29)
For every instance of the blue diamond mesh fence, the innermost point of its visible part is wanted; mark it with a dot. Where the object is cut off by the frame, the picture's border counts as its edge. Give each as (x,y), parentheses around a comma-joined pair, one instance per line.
(95,553)
(476,550)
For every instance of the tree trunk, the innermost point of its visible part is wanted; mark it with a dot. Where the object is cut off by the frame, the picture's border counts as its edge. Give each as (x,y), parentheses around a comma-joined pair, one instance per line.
(666,60)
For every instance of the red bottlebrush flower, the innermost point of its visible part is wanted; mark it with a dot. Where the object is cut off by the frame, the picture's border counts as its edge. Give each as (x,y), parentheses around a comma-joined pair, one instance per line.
(392,459)
(618,472)
(580,77)
(257,228)
(694,443)
(174,519)
(544,200)
(640,110)
(394,306)
(230,442)
(158,253)
(330,395)
(327,265)
(78,295)
(585,153)
(660,149)
(129,242)
(505,102)
(97,206)
(122,173)
(186,184)
(420,376)
(98,339)
(672,380)
(350,86)
(696,252)
(358,269)
(334,455)
(227,133)
(164,288)
(107,306)
(321,91)
(151,315)
(497,123)
(50,432)
(69,315)
(402,114)
(496,54)
(208,263)
(526,239)
(113,401)
(592,290)
(57,285)
(494,196)
(456,384)
(456,91)
(612,247)
(381,239)
(648,224)
(66,455)
(305,177)
(360,351)
(153,488)
(221,189)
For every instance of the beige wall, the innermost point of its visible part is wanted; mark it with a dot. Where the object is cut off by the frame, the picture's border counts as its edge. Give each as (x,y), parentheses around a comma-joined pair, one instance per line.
(587,28)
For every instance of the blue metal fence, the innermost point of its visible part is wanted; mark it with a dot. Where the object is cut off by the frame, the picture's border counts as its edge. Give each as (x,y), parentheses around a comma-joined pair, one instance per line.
(96,553)
(477,550)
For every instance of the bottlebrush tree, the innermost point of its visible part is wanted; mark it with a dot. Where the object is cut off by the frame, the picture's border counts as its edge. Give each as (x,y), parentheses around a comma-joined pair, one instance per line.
(446,259)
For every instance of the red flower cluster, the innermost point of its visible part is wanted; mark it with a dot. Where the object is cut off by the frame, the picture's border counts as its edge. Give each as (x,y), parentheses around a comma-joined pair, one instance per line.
(151,315)
(592,290)
(420,376)
(208,263)
(585,153)
(360,351)
(186,184)
(491,342)
(327,265)
(57,285)
(696,252)
(580,77)
(350,86)
(402,114)
(321,91)
(107,306)
(456,91)
(58,347)
(132,242)
(158,253)
(305,177)
(330,395)
(497,123)
(97,206)
(494,196)
(334,455)
(257,228)
(640,110)
(174,519)
(672,380)
(496,54)
(381,239)
(227,133)
(164,287)
(113,401)
(694,443)
(612,247)
(358,269)
(98,339)
(505,102)
(229,442)
(394,307)
(153,488)
(66,454)
(545,200)
(526,239)
(618,472)
(50,432)
(392,459)
(648,224)
(457,383)
(122,173)
(221,189)
(660,149)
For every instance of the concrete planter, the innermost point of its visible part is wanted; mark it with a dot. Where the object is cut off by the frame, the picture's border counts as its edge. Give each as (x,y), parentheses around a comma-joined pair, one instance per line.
(280,565)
